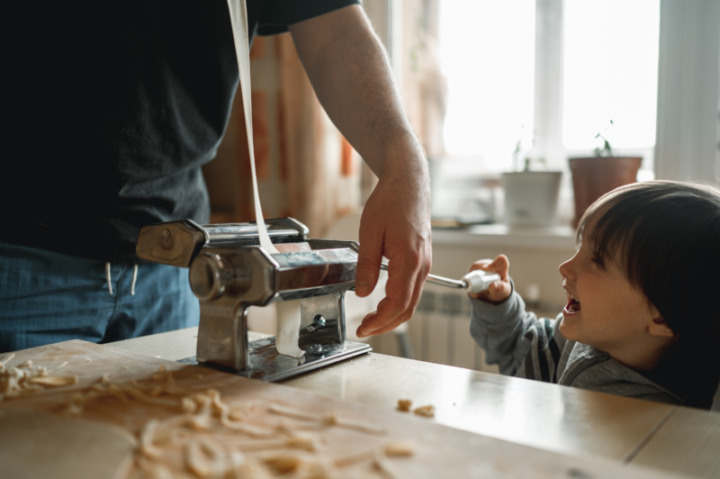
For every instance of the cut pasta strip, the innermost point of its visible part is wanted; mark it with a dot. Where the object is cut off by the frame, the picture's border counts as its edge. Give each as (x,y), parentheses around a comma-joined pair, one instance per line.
(199,435)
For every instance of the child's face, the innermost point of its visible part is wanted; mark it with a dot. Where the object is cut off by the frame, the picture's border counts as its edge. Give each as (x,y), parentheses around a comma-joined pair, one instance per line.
(604,309)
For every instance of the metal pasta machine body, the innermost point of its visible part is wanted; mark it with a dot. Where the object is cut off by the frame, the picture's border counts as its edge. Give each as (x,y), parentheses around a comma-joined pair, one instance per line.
(229,272)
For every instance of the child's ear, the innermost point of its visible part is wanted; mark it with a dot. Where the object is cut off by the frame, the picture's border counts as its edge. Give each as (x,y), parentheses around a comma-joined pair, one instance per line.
(658,327)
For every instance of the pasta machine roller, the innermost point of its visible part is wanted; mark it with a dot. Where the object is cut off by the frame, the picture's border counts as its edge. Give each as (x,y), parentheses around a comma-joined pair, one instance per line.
(230,272)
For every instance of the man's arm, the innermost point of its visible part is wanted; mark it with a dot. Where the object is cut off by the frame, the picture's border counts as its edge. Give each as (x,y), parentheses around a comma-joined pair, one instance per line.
(349,71)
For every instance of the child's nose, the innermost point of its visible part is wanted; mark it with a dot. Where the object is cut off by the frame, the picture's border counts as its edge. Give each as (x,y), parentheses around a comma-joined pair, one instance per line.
(566,269)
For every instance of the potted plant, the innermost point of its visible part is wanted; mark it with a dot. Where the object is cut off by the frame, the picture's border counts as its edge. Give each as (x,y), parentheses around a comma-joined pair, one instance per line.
(531,195)
(593,176)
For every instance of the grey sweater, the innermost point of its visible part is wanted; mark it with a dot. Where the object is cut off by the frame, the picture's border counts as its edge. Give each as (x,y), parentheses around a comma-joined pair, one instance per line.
(523,345)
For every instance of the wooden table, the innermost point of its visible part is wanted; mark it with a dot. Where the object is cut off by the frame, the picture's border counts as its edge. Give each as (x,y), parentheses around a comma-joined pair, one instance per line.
(545,416)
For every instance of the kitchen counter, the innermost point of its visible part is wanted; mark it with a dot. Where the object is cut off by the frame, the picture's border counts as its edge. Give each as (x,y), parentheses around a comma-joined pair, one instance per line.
(546,238)
(549,417)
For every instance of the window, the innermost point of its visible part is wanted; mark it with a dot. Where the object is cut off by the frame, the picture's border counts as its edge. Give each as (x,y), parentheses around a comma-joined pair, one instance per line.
(610,52)
(486,51)
(546,76)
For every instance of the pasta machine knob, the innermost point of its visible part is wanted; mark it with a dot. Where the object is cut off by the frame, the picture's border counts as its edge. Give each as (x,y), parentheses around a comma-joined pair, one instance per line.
(212,275)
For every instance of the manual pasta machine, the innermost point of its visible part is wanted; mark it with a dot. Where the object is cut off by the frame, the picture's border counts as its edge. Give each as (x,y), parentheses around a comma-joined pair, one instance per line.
(229,272)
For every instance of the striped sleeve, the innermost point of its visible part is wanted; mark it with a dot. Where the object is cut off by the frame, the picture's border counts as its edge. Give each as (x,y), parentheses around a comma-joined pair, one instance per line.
(519,342)
(543,353)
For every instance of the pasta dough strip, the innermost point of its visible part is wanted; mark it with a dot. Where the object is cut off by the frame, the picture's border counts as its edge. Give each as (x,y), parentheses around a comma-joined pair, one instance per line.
(288,325)
(239,20)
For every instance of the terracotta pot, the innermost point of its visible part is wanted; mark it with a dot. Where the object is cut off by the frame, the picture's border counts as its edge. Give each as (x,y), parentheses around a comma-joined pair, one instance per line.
(594,176)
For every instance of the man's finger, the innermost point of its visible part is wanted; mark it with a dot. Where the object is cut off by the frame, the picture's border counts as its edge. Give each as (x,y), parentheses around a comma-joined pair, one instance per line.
(403,289)
(386,318)
(369,259)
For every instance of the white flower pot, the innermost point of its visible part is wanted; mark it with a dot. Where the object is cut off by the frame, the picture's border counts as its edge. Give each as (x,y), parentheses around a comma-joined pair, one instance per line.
(531,197)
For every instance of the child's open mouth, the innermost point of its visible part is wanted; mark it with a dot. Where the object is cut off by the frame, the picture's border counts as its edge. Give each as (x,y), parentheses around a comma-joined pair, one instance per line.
(573,306)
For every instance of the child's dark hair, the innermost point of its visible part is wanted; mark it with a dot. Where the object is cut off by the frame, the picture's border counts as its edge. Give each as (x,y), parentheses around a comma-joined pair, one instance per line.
(665,235)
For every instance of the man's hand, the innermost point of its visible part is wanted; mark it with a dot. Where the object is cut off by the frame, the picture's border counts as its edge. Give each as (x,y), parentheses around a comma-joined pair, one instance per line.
(396,224)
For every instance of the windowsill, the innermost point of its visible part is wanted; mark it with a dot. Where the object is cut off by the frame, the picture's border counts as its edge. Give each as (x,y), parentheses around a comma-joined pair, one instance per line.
(556,237)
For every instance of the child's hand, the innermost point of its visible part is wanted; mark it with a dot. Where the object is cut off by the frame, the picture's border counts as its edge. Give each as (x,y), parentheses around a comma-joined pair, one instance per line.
(499,290)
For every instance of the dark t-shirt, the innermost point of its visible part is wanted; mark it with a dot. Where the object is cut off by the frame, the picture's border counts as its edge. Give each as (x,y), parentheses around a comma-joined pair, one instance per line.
(113,108)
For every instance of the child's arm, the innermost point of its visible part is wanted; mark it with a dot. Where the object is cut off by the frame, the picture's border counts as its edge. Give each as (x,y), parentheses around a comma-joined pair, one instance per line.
(516,340)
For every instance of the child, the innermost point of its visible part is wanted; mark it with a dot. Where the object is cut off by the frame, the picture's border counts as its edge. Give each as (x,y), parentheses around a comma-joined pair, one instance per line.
(642,316)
